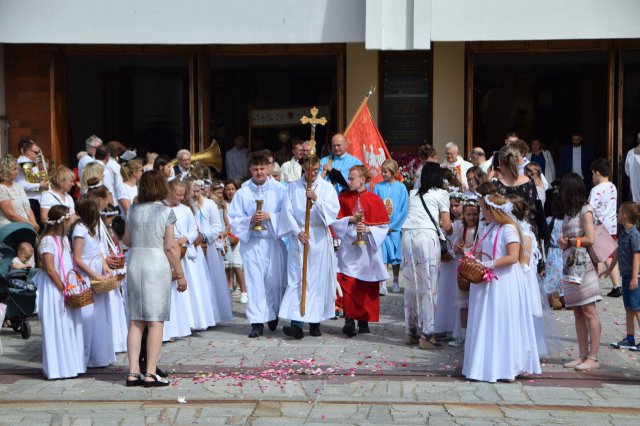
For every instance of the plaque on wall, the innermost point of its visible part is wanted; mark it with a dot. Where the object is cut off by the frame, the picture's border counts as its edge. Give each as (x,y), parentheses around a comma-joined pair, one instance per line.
(406,98)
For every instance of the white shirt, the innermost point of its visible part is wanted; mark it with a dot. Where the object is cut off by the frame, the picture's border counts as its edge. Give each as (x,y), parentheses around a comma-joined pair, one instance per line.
(632,169)
(50,199)
(113,165)
(437,200)
(576,165)
(290,171)
(604,199)
(236,163)
(83,162)
(108,180)
(126,192)
(31,189)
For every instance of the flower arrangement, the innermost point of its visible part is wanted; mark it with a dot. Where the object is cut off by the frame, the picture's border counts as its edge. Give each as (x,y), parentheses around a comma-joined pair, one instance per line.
(407,166)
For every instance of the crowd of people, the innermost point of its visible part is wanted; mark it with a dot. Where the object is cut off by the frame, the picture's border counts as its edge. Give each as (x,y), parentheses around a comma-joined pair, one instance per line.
(310,241)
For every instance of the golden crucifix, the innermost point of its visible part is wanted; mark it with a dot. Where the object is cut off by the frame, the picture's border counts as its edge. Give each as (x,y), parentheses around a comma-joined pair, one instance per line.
(313,121)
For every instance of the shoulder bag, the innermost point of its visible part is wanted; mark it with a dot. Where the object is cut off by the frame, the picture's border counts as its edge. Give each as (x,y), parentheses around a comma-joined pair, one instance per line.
(444,251)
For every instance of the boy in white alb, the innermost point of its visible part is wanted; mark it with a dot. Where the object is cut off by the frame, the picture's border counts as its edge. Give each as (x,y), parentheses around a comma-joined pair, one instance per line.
(604,199)
(263,253)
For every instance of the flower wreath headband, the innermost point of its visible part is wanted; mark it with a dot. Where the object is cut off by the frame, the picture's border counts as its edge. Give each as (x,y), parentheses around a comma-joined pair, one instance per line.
(506,207)
(59,221)
(203,183)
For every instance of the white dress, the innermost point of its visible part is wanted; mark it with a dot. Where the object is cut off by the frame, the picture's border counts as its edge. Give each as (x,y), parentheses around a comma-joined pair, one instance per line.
(195,269)
(321,269)
(446,311)
(119,321)
(96,318)
(500,342)
(208,220)
(62,337)
(232,258)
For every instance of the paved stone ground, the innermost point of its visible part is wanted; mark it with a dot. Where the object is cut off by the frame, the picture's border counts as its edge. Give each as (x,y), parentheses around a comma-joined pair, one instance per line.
(226,378)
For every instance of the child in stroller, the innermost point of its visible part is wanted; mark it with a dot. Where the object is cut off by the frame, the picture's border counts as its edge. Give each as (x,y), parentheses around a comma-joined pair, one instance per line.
(17,289)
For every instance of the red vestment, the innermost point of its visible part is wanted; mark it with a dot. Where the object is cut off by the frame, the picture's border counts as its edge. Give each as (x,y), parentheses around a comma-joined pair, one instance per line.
(361,299)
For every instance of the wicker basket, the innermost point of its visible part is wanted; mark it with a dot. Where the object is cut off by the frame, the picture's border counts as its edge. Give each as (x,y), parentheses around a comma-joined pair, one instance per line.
(463,283)
(119,261)
(104,286)
(472,270)
(80,299)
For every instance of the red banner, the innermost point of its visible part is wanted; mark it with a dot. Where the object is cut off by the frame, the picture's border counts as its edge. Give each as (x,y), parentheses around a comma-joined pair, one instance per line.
(366,143)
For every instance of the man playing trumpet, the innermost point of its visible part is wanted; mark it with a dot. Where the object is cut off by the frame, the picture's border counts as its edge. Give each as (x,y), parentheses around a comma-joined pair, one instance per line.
(32,174)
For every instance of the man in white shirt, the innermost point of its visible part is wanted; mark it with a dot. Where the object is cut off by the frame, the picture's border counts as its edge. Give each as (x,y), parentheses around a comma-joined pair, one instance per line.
(236,160)
(291,170)
(92,143)
(456,163)
(115,149)
(29,153)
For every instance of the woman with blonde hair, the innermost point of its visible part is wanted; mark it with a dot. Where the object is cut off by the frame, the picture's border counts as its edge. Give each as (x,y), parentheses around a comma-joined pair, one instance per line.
(396,200)
(501,342)
(14,204)
(534,172)
(61,181)
(127,191)
(91,170)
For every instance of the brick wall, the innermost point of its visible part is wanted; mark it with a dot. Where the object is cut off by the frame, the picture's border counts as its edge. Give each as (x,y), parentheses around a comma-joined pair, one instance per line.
(27,89)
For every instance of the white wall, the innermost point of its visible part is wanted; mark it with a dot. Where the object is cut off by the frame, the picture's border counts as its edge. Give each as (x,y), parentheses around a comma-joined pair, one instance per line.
(448,95)
(181,22)
(382,24)
(470,20)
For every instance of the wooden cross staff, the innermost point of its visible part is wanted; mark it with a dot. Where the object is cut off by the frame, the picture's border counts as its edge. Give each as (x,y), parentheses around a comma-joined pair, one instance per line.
(313,121)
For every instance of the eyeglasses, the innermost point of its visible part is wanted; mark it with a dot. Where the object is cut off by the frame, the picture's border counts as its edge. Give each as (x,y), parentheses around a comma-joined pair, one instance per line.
(36,152)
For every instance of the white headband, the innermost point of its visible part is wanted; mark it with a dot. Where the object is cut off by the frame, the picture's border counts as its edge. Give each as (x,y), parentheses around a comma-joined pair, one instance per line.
(97,185)
(109,214)
(506,207)
(59,221)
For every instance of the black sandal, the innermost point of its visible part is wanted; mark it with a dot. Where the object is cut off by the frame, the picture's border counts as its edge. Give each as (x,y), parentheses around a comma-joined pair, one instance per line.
(137,382)
(157,381)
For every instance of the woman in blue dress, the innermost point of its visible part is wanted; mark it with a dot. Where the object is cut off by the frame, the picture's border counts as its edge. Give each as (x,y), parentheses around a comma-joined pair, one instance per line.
(394,196)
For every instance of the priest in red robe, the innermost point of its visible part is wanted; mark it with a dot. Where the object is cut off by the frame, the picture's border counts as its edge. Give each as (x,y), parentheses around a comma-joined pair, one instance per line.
(360,267)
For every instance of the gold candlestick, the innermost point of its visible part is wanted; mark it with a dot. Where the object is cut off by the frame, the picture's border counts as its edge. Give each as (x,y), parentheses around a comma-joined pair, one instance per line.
(359,241)
(258,226)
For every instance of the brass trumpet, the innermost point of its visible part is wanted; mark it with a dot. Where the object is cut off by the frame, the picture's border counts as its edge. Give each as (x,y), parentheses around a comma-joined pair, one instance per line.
(33,176)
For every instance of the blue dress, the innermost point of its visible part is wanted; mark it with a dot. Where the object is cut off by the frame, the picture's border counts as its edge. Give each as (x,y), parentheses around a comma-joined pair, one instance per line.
(395,198)
(552,280)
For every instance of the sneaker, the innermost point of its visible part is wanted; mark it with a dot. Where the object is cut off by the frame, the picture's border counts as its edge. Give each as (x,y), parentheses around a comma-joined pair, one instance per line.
(635,348)
(383,289)
(236,293)
(626,343)
(457,342)
(615,292)
(244,299)
(396,287)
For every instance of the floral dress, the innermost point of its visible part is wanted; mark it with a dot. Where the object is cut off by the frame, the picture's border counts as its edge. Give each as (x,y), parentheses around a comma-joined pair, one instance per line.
(551,281)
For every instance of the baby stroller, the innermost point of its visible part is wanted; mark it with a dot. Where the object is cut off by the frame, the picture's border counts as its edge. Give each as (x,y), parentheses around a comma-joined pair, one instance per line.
(16,287)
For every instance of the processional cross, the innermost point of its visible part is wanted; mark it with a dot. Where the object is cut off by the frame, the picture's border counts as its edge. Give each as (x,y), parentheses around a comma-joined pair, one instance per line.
(313,121)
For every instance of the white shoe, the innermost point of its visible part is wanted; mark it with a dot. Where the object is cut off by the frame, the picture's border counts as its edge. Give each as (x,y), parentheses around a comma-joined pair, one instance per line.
(458,341)
(395,288)
(383,289)
(244,298)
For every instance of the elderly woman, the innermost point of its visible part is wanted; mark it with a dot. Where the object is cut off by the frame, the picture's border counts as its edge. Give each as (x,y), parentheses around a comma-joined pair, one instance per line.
(61,182)
(14,204)
(153,253)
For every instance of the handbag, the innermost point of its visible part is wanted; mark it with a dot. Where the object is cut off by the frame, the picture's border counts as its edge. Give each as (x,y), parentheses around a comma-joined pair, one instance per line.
(603,243)
(445,256)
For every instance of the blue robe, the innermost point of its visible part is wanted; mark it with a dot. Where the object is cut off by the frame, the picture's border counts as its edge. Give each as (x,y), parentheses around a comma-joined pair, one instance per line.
(397,194)
(342,164)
